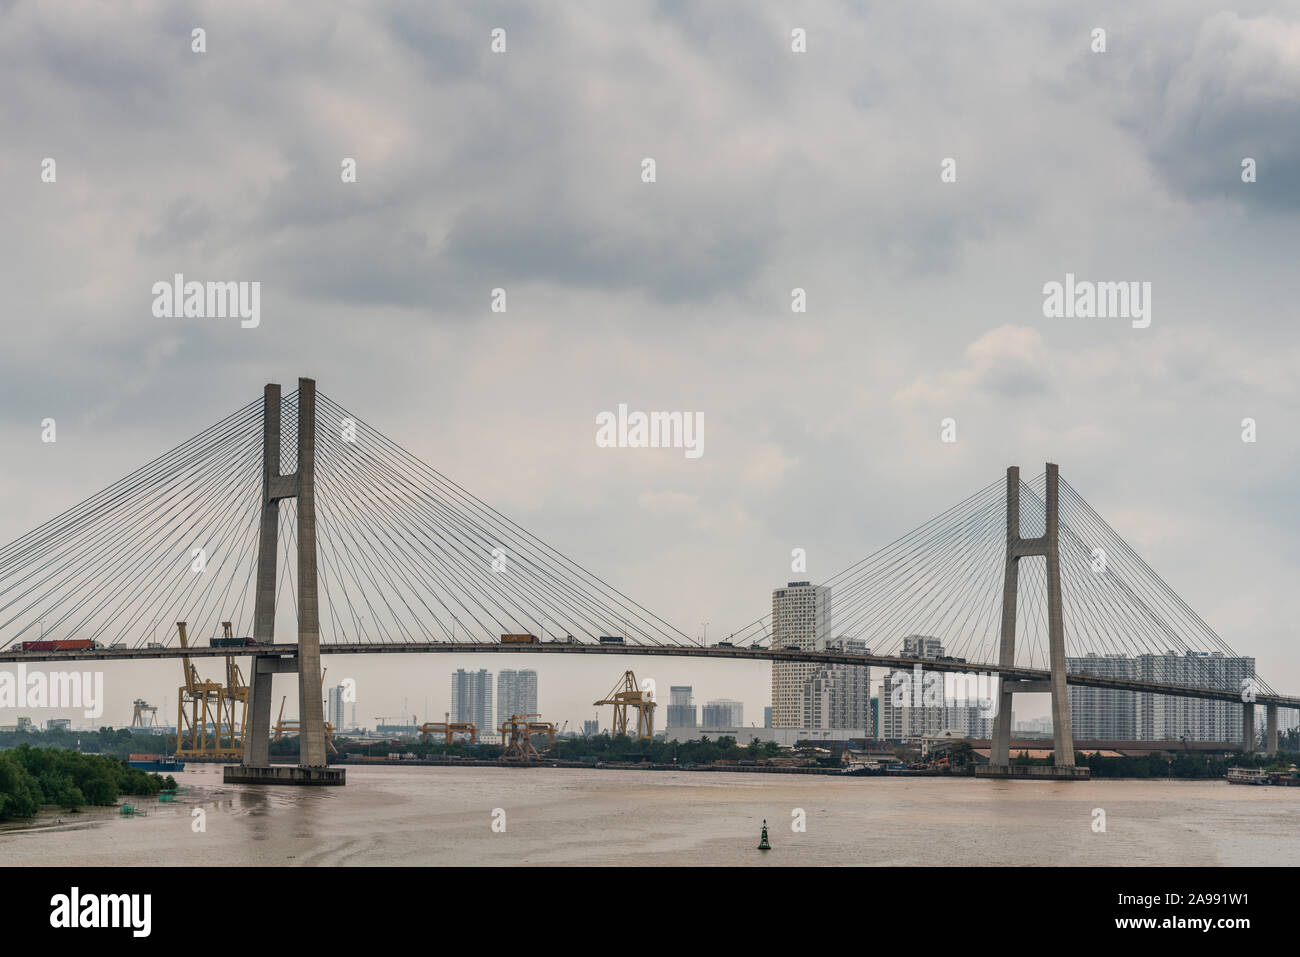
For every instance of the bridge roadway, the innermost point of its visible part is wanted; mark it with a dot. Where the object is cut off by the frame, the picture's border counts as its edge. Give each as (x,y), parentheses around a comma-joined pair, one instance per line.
(1031,676)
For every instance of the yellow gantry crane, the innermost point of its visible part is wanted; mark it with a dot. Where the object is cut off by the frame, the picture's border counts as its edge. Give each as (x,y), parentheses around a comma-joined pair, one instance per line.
(235,694)
(628,694)
(283,727)
(517,734)
(447,729)
(201,704)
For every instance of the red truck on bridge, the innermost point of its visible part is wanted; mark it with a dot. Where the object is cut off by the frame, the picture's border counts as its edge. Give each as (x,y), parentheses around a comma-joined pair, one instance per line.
(61,644)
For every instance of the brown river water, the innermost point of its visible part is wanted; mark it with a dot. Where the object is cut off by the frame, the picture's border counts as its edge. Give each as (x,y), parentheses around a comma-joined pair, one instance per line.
(441,815)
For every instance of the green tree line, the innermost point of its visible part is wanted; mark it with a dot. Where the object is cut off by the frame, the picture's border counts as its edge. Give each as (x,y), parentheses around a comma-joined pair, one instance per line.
(32,778)
(600,747)
(108,741)
(1180,764)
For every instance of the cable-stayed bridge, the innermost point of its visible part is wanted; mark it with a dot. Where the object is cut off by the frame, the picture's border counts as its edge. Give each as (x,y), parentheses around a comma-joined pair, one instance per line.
(383,554)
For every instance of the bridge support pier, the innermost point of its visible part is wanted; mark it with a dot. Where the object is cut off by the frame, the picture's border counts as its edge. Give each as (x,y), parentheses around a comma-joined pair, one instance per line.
(1018,548)
(257,736)
(1248,727)
(256,767)
(1270,728)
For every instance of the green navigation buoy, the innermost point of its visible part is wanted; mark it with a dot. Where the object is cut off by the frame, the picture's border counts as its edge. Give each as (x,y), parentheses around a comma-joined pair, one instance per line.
(763,845)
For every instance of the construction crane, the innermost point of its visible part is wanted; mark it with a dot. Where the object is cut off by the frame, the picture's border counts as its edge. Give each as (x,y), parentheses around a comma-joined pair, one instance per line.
(517,734)
(628,694)
(447,729)
(145,716)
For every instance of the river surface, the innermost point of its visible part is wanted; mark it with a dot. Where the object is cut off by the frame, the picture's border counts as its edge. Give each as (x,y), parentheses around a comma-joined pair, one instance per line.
(441,815)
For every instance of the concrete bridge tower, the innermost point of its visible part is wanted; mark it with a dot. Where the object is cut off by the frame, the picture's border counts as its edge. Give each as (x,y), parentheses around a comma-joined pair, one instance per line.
(301,485)
(1046,546)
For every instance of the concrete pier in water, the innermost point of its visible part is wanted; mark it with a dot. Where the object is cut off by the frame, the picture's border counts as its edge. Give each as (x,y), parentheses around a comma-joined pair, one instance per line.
(283,774)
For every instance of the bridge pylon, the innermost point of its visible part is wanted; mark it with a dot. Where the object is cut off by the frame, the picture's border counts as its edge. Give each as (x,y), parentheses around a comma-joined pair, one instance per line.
(301,485)
(1046,546)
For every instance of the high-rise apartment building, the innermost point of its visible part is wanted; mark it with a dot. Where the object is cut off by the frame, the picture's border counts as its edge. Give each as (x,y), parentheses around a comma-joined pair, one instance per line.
(471,698)
(910,708)
(1168,718)
(334,708)
(1109,715)
(723,713)
(681,708)
(837,697)
(922,646)
(516,693)
(901,719)
(801,619)
(1103,714)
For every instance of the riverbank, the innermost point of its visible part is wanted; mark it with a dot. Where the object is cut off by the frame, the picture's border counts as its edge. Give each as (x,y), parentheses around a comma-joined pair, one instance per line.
(860,771)
(34,779)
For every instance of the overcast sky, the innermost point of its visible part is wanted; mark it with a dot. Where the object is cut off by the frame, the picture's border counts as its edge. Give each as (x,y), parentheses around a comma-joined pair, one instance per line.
(775,170)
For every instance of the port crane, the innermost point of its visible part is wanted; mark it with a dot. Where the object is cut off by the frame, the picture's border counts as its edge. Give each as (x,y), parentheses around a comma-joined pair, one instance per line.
(447,729)
(628,694)
(236,695)
(146,714)
(283,727)
(517,735)
(201,704)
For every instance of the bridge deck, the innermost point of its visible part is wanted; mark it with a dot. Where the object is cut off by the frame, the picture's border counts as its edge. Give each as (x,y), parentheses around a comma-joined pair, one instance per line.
(667,651)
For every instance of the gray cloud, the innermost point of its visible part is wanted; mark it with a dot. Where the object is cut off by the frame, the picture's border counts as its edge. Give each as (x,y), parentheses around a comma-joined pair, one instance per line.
(775,171)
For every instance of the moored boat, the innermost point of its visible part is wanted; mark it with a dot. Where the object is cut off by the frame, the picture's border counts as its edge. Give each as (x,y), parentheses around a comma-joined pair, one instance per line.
(158,763)
(1248,776)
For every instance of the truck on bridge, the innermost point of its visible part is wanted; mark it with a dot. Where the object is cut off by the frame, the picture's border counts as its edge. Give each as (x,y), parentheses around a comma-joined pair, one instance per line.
(611,640)
(61,644)
(233,642)
(520,640)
